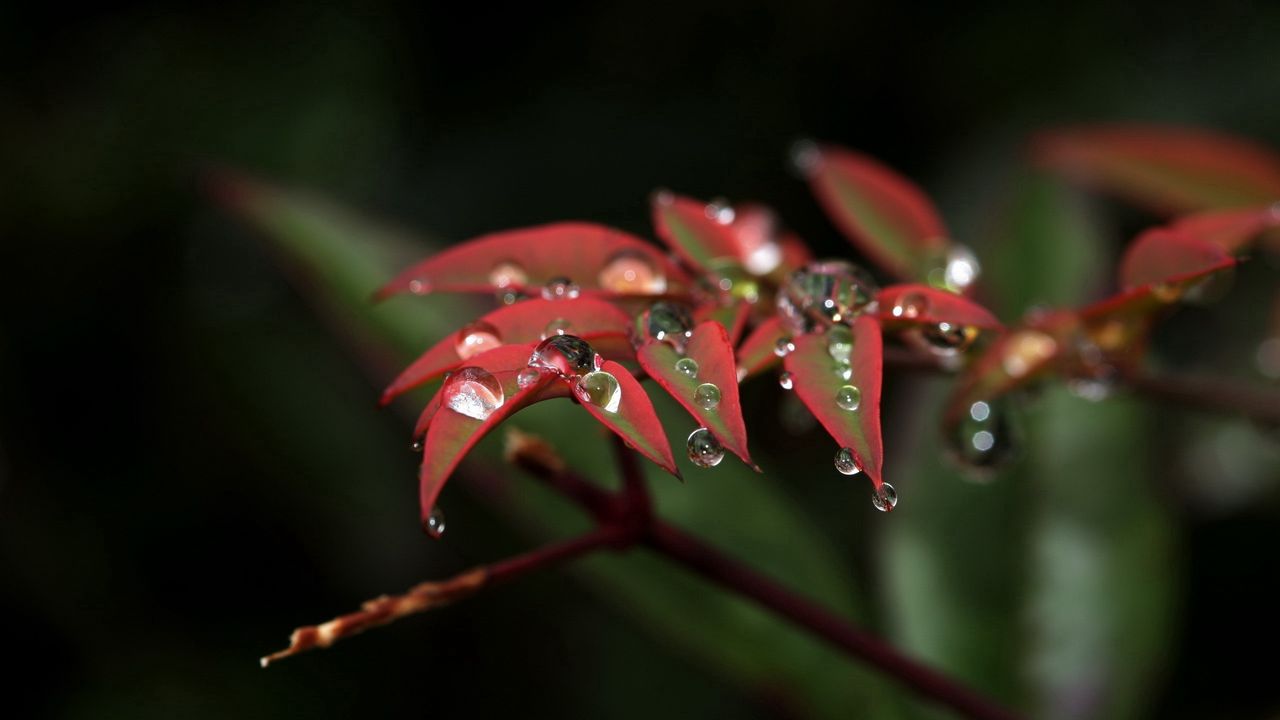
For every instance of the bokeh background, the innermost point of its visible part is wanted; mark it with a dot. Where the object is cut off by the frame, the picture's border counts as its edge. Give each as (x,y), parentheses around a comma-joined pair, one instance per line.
(191,463)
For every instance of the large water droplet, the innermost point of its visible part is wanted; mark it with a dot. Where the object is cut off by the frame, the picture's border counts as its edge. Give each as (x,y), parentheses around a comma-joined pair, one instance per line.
(567,355)
(707,396)
(910,305)
(508,273)
(783,347)
(705,450)
(786,380)
(632,272)
(601,389)
(666,322)
(473,392)
(687,366)
(823,293)
(948,338)
(527,377)
(1026,350)
(846,464)
(849,398)
(840,343)
(475,338)
(434,524)
(558,326)
(560,288)
(885,498)
(983,437)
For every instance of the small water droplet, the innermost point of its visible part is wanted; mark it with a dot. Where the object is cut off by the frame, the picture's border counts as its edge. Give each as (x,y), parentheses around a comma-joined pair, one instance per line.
(475,338)
(418,445)
(601,389)
(566,355)
(687,366)
(911,305)
(528,377)
(1026,350)
(840,343)
(434,524)
(982,439)
(823,293)
(844,371)
(507,297)
(473,392)
(558,326)
(721,211)
(786,380)
(849,398)
(885,498)
(948,338)
(805,157)
(508,273)
(707,396)
(846,464)
(783,347)
(632,272)
(705,450)
(666,322)
(560,288)
(419,287)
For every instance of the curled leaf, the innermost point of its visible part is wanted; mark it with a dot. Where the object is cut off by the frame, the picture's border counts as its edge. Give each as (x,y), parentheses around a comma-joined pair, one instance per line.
(920,304)
(711,354)
(598,259)
(757,353)
(635,419)
(885,215)
(820,383)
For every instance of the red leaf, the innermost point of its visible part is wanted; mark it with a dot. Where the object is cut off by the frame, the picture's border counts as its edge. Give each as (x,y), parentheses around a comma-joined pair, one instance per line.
(685,226)
(596,321)
(816,379)
(636,421)
(582,252)
(1014,359)
(711,350)
(757,353)
(885,215)
(921,304)
(706,235)
(1231,230)
(1167,170)
(1161,256)
(732,317)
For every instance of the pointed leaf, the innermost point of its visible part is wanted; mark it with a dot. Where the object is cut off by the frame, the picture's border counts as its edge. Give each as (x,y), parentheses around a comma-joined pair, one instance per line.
(732,317)
(816,378)
(1167,170)
(636,421)
(920,304)
(596,321)
(885,215)
(1013,360)
(711,349)
(757,353)
(1231,230)
(1161,256)
(687,227)
(579,251)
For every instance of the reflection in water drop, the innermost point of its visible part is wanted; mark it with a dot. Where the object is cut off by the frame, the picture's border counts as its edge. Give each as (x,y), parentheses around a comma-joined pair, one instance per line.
(601,389)
(786,380)
(849,398)
(885,498)
(473,392)
(824,293)
(508,274)
(434,524)
(475,338)
(667,322)
(911,305)
(783,347)
(846,464)
(567,355)
(527,377)
(707,396)
(687,367)
(705,450)
(560,288)
(947,339)
(558,326)
(840,343)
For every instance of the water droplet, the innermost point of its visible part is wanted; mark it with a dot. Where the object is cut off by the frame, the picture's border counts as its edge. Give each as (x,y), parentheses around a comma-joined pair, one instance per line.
(783,346)
(786,380)
(632,272)
(980,411)
(910,305)
(434,524)
(601,389)
(721,211)
(840,343)
(507,297)
(707,396)
(566,355)
(528,376)
(475,338)
(560,288)
(667,322)
(948,338)
(885,498)
(1026,350)
(846,464)
(558,326)
(983,438)
(687,366)
(508,273)
(823,293)
(705,450)
(960,268)
(734,281)
(419,287)
(418,445)
(805,157)
(473,392)
(844,371)
(849,398)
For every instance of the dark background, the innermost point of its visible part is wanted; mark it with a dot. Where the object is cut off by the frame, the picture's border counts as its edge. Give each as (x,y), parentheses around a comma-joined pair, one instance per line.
(190,461)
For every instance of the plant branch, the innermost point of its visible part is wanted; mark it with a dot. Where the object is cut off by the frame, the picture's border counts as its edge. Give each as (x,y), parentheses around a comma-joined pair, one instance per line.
(1223,395)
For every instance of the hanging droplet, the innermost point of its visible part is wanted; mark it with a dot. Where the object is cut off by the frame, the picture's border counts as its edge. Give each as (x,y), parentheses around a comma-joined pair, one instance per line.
(601,389)
(721,211)
(840,343)
(508,274)
(666,322)
(705,450)
(823,293)
(910,305)
(949,338)
(687,367)
(475,338)
(885,498)
(473,392)
(567,355)
(528,377)
(560,288)
(707,396)
(846,464)
(633,273)
(418,445)
(558,326)
(849,398)
(786,380)
(1026,350)
(434,524)
(783,347)
(983,438)
(419,287)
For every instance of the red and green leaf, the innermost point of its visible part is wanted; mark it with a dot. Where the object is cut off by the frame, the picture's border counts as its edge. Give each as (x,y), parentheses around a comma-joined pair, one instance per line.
(885,215)
(921,304)
(684,224)
(732,317)
(711,349)
(757,352)
(1161,258)
(1165,169)
(1231,230)
(636,421)
(579,251)
(816,379)
(596,321)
